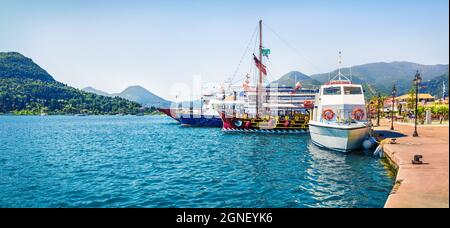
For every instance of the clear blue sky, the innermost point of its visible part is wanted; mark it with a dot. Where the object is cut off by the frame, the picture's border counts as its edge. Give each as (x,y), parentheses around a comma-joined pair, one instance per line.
(113,44)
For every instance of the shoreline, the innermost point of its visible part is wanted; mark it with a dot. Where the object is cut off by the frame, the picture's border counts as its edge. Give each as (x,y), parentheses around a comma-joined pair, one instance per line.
(418,185)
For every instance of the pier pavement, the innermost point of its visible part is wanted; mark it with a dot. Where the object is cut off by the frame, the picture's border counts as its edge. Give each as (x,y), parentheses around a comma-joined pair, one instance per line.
(418,185)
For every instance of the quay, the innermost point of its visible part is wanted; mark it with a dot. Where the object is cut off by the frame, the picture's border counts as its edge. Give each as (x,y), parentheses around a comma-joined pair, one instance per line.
(417,185)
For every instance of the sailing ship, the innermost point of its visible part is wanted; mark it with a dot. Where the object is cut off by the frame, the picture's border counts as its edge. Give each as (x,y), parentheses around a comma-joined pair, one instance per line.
(269,109)
(339,120)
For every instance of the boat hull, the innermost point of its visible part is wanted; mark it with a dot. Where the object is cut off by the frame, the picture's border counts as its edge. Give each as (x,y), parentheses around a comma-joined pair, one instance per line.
(338,138)
(200,121)
(170,112)
(248,125)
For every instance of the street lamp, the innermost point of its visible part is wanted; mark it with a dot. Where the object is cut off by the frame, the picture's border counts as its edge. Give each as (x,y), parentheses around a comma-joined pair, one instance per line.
(378,109)
(394,91)
(417,80)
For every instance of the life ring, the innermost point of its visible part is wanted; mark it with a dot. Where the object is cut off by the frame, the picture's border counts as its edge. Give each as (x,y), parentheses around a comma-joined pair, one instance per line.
(328,114)
(308,104)
(357,114)
(238,123)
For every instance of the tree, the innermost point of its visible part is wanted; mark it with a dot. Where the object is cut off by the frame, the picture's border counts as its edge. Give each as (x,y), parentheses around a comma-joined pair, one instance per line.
(29,96)
(411,101)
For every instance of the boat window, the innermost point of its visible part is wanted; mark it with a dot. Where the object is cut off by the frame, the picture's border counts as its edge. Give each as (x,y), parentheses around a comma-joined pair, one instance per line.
(352,90)
(332,91)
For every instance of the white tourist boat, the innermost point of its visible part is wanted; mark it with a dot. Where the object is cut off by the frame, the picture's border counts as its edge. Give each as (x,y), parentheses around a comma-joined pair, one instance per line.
(339,120)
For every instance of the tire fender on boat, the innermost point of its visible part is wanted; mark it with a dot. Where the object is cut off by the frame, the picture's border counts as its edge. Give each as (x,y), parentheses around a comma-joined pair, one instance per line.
(238,123)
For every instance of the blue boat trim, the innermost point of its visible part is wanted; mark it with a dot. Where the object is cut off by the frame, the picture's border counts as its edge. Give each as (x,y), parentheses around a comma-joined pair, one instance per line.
(200,121)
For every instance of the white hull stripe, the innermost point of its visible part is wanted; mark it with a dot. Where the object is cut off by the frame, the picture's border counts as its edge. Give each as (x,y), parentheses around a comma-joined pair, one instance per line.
(274,131)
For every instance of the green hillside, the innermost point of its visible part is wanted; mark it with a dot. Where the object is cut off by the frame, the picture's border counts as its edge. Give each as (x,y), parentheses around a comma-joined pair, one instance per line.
(434,86)
(379,77)
(25,88)
(291,78)
(15,65)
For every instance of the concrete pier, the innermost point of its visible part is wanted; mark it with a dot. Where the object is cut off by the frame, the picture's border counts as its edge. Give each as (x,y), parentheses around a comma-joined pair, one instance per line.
(418,185)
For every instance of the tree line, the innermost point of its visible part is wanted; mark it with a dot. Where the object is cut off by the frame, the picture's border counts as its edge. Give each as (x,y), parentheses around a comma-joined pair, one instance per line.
(28,96)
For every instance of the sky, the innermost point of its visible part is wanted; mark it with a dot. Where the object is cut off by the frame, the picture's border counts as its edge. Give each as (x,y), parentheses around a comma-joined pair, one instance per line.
(111,45)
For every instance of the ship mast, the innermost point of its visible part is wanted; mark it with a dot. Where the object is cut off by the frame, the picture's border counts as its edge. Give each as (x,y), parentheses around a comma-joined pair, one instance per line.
(258,86)
(339,63)
(340,76)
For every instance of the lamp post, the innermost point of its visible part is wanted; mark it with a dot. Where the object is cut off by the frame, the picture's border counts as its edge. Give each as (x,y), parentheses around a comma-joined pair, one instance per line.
(394,91)
(417,80)
(378,109)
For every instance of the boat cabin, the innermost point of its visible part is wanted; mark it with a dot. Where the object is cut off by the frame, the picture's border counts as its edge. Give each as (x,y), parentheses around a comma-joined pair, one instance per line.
(341,103)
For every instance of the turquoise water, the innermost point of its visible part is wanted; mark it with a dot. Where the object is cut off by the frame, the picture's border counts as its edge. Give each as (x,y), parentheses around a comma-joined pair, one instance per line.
(150,161)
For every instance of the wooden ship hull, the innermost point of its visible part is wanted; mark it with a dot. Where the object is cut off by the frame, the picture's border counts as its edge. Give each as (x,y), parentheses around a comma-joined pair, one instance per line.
(278,124)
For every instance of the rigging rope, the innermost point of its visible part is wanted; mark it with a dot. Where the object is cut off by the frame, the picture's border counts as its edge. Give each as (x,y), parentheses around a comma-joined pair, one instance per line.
(291,47)
(252,64)
(272,78)
(244,54)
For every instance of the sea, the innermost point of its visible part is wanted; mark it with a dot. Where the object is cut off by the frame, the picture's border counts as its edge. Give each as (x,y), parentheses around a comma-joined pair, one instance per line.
(152,161)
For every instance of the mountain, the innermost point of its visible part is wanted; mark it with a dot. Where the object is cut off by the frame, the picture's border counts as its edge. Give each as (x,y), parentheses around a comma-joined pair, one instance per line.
(135,93)
(380,77)
(96,91)
(291,78)
(434,86)
(15,65)
(143,96)
(25,88)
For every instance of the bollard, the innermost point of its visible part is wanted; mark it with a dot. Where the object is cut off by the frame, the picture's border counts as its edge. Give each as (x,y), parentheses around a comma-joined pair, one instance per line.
(417,159)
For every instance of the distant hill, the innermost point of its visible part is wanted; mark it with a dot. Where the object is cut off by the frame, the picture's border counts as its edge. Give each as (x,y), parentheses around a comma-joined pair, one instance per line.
(96,91)
(15,65)
(434,86)
(143,96)
(135,93)
(25,88)
(379,77)
(291,78)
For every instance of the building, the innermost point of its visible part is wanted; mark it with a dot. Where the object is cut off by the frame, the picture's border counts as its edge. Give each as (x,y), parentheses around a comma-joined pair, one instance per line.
(424,98)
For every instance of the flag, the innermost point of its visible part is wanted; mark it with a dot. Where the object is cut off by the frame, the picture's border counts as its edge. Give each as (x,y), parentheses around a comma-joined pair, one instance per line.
(265,52)
(260,66)
(298,86)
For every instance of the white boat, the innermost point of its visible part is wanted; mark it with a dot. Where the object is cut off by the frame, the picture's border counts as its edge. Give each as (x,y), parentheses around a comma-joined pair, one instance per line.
(339,120)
